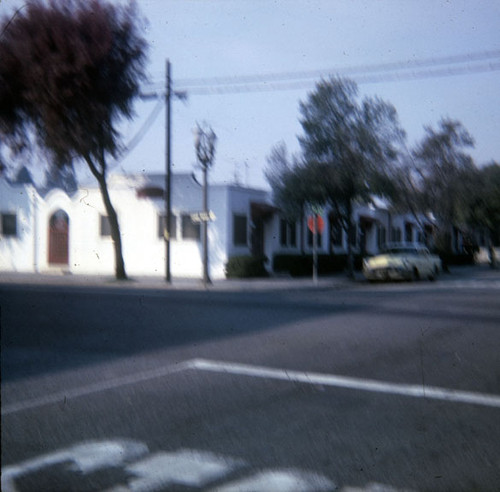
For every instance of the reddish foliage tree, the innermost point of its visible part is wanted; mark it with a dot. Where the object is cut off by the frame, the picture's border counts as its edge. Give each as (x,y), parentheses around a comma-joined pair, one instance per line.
(69,71)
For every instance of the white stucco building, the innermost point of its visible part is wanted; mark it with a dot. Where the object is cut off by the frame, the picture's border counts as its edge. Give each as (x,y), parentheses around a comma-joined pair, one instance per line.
(60,232)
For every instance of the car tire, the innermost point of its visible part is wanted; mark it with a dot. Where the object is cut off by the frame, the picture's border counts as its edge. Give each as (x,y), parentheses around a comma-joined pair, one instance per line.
(434,275)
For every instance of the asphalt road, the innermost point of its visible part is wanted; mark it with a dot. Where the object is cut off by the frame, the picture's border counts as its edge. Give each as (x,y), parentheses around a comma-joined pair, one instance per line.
(393,386)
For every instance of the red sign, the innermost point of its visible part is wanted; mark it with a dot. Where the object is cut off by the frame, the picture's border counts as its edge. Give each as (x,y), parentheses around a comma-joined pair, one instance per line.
(319,221)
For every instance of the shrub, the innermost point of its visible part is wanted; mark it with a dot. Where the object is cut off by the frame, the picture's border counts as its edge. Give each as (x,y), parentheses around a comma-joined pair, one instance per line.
(302,265)
(246,267)
(456,259)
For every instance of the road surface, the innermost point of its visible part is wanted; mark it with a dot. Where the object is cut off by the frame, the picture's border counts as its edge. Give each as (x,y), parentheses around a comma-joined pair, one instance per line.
(385,387)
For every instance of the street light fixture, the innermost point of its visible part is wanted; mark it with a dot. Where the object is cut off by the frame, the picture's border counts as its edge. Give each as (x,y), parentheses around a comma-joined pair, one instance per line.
(204,142)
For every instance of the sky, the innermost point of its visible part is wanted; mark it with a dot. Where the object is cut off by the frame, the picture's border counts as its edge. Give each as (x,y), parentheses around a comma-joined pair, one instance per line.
(270,40)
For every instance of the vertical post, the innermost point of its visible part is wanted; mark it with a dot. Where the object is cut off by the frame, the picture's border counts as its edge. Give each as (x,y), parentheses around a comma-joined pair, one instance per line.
(204,143)
(168,194)
(315,248)
(206,276)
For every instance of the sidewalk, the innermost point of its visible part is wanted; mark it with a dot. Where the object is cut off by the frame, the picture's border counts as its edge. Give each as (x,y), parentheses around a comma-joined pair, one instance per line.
(336,281)
(149,282)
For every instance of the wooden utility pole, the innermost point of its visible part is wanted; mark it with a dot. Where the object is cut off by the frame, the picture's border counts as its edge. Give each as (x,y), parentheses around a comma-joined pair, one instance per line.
(168,181)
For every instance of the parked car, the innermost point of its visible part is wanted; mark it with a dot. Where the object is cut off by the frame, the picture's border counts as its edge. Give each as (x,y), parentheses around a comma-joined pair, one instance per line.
(402,262)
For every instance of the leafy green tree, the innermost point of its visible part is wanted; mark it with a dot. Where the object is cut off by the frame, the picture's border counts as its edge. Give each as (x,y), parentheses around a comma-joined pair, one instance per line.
(69,72)
(446,175)
(346,145)
(485,205)
(293,184)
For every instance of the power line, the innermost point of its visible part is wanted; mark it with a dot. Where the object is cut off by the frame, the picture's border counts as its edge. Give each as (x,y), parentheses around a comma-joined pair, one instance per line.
(368,79)
(353,69)
(132,144)
(363,74)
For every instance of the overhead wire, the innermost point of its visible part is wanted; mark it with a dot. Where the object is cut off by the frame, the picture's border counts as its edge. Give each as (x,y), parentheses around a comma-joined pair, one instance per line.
(414,69)
(140,133)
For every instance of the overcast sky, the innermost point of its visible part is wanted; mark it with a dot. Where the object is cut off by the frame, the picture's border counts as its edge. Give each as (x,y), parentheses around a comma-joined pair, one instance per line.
(205,39)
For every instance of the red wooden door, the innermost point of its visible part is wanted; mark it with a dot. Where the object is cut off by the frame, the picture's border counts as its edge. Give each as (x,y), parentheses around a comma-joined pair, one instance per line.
(59,238)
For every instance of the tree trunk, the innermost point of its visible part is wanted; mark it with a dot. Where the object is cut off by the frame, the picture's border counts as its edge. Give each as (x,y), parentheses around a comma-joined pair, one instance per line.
(350,253)
(120,273)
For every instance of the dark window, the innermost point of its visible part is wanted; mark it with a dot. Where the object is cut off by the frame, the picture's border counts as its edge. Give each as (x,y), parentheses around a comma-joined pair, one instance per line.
(310,238)
(336,233)
(240,230)
(9,224)
(288,233)
(292,229)
(396,235)
(105,226)
(283,231)
(190,229)
(408,232)
(354,235)
(173,226)
(381,236)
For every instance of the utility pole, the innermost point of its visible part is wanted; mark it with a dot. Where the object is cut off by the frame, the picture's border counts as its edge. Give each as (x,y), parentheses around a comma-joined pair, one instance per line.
(168,174)
(168,181)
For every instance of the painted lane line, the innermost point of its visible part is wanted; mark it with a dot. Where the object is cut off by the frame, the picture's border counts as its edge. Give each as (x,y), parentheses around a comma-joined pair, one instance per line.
(416,391)
(62,396)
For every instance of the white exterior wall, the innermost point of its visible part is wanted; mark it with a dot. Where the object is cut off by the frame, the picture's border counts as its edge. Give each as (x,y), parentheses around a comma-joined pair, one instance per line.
(218,239)
(18,253)
(143,248)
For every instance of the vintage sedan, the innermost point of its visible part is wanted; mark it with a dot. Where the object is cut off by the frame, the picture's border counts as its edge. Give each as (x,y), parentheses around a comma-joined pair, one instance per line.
(402,262)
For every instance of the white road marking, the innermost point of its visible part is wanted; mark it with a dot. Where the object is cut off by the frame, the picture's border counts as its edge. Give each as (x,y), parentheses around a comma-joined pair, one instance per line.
(279,481)
(154,472)
(62,396)
(83,458)
(184,467)
(417,391)
(235,368)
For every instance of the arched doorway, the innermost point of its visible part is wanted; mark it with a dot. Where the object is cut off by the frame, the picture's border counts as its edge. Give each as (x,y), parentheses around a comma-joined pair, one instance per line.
(59,238)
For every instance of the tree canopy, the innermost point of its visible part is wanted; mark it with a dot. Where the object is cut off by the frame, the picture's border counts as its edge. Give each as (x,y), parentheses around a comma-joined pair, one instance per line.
(345,144)
(69,71)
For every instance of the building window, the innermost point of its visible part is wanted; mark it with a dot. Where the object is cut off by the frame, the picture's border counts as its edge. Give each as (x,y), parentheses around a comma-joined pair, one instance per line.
(336,233)
(190,229)
(396,235)
(9,225)
(105,226)
(381,236)
(173,226)
(353,236)
(310,238)
(408,232)
(288,233)
(240,230)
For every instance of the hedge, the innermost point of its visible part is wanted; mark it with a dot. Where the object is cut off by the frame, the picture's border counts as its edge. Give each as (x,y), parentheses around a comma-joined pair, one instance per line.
(246,267)
(302,265)
(450,259)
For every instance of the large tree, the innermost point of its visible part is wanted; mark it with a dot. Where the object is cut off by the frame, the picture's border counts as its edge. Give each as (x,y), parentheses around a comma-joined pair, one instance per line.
(446,176)
(485,206)
(346,143)
(69,72)
(294,186)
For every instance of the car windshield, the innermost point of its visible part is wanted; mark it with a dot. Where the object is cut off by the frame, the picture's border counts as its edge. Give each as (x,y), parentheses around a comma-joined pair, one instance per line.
(401,251)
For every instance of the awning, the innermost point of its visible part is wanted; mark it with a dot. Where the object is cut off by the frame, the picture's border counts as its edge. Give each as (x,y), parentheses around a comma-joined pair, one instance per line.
(261,210)
(149,192)
(368,220)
